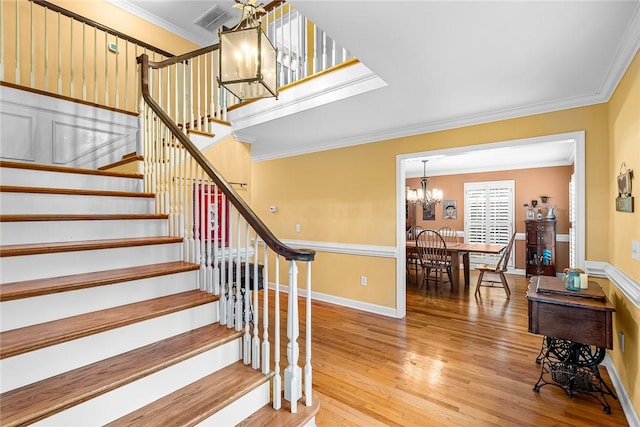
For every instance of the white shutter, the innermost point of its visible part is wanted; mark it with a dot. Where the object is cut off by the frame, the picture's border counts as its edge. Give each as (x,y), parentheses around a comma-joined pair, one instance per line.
(572,221)
(488,215)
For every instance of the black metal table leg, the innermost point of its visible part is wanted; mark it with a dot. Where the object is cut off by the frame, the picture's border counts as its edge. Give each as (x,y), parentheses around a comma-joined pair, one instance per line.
(574,367)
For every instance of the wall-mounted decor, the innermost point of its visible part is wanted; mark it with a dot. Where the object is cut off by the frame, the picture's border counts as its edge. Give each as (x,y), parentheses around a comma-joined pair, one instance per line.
(450,209)
(429,213)
(624,201)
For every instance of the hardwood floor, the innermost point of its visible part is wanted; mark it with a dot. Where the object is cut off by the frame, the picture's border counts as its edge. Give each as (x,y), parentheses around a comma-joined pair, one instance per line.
(452,361)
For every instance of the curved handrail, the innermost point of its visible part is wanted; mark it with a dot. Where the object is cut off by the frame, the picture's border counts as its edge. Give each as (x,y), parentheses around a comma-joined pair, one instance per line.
(242,207)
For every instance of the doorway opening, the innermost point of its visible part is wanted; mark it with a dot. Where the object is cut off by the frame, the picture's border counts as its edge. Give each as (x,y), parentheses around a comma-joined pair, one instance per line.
(483,157)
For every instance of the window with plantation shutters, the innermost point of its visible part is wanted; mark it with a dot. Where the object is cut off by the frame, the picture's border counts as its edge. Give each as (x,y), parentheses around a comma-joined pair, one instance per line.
(488,215)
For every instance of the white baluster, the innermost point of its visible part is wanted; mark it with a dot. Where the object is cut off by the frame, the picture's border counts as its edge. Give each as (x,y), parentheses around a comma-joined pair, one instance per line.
(277,378)
(198,115)
(126,75)
(333,53)
(191,106)
(315,49)
(266,347)
(238,281)
(230,264)
(18,40)
(290,72)
(308,377)
(199,216)
(59,47)
(255,348)
(2,41)
(246,299)
(292,373)
(324,51)
(212,285)
(219,258)
(32,73)
(106,70)
(95,66)
(116,58)
(84,61)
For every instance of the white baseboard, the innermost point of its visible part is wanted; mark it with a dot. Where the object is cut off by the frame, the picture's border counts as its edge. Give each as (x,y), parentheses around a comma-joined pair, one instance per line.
(623,397)
(344,302)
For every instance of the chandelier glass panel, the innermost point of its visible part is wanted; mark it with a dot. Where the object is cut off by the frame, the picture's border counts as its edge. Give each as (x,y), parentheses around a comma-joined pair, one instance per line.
(423,196)
(247,57)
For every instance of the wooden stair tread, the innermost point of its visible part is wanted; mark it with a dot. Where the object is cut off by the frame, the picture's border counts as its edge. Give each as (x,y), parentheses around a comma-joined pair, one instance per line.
(127,158)
(50,285)
(30,338)
(269,417)
(66,169)
(73,191)
(39,400)
(199,400)
(78,217)
(85,245)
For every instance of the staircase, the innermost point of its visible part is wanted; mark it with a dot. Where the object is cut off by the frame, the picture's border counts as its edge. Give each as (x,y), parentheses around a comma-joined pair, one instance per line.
(102,321)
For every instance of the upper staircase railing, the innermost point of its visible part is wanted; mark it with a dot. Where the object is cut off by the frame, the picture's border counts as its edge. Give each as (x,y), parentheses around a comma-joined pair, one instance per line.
(51,49)
(54,50)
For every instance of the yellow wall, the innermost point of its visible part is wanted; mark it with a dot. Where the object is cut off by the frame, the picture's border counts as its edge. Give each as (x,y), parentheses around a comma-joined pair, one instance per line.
(233,160)
(624,138)
(348,196)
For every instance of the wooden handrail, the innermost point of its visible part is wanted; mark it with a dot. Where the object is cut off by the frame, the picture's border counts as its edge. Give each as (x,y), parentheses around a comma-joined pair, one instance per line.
(99,26)
(184,57)
(260,228)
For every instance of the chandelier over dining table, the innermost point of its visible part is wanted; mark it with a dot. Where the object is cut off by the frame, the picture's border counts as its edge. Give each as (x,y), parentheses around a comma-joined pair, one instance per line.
(423,196)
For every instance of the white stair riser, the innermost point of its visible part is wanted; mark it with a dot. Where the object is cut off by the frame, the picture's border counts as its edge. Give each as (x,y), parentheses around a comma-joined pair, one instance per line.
(241,408)
(119,402)
(55,306)
(51,179)
(44,203)
(34,366)
(28,267)
(24,232)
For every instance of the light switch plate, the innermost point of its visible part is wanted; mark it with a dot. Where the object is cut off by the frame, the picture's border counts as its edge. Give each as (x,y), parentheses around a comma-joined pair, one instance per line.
(635,249)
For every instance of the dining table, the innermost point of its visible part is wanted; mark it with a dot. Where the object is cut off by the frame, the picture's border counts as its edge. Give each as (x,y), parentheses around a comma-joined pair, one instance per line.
(462,249)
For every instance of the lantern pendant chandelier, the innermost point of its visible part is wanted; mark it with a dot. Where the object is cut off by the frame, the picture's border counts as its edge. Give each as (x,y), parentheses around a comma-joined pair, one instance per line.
(246,56)
(423,196)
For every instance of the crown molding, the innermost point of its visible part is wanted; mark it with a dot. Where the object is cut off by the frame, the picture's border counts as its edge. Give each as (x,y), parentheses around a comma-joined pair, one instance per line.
(539,108)
(625,53)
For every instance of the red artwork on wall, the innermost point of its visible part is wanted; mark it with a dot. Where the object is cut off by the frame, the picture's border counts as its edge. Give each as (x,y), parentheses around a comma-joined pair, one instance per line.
(213,214)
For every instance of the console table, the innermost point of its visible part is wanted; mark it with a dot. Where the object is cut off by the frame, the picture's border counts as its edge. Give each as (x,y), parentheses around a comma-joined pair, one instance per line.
(577,329)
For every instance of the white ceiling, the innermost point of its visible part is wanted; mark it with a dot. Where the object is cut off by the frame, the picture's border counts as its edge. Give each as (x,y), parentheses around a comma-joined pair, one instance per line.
(447,64)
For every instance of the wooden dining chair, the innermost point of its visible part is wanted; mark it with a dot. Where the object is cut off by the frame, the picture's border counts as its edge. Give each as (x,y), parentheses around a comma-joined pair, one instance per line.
(413,259)
(433,256)
(450,235)
(499,269)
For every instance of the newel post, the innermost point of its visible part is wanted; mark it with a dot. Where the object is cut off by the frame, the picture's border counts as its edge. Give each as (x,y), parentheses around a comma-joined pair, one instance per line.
(293,373)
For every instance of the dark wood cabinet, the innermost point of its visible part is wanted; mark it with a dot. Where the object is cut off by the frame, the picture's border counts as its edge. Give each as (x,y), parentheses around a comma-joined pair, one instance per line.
(540,247)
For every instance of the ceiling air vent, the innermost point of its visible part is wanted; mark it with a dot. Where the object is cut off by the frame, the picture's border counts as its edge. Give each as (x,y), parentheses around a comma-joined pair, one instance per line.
(213,19)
